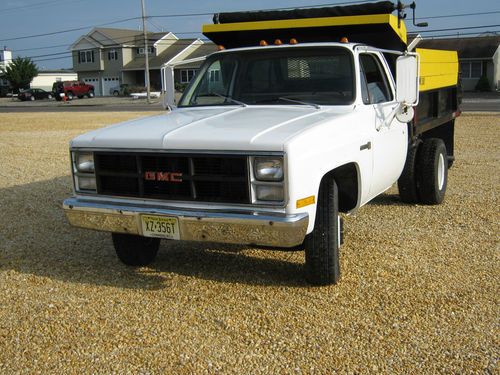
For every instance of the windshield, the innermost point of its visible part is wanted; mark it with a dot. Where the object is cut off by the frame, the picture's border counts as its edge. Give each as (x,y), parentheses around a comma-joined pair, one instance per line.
(303,76)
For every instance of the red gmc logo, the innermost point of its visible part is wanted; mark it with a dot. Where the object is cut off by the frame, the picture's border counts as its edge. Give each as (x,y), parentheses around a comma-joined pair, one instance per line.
(163,176)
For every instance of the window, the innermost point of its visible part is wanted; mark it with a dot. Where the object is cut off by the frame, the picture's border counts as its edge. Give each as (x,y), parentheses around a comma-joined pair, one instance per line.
(140,50)
(374,84)
(187,75)
(113,54)
(471,69)
(85,57)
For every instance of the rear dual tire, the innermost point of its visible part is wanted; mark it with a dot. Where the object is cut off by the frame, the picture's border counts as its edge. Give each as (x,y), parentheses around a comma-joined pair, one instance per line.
(425,174)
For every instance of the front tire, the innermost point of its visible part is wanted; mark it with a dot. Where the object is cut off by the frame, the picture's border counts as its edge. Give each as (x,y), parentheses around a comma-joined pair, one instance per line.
(322,244)
(432,172)
(90,94)
(135,250)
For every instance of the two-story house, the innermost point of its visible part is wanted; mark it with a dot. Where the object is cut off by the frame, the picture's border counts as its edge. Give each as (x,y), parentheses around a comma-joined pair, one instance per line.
(107,57)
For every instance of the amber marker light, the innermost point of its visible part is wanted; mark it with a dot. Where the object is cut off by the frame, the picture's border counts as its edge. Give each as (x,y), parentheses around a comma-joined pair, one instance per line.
(305,201)
(344,40)
(220,47)
(294,41)
(263,43)
(278,42)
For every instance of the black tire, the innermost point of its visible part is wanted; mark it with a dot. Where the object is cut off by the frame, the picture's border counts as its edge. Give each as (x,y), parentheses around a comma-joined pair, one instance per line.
(49,96)
(432,172)
(90,94)
(135,250)
(116,93)
(70,95)
(407,182)
(322,244)
(32,98)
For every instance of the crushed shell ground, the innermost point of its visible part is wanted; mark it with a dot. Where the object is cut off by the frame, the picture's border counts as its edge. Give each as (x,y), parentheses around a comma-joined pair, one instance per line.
(419,291)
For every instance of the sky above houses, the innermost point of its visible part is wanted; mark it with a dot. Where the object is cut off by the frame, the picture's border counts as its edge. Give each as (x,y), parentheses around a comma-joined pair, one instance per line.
(63,21)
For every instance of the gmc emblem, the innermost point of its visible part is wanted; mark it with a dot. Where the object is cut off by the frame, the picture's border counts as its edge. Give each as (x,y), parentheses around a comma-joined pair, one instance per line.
(163,176)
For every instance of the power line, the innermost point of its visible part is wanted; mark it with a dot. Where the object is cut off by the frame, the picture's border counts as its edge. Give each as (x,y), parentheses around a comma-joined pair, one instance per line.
(70,30)
(458,15)
(454,28)
(161,16)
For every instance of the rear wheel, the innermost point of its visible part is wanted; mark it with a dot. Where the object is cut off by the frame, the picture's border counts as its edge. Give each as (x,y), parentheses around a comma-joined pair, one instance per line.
(90,94)
(432,171)
(116,93)
(322,244)
(135,250)
(70,95)
(32,98)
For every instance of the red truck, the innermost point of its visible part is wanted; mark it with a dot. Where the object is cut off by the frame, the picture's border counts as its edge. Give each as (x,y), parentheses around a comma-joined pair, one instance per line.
(70,89)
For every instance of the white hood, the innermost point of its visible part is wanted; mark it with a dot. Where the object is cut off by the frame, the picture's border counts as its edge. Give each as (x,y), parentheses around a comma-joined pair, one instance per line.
(255,128)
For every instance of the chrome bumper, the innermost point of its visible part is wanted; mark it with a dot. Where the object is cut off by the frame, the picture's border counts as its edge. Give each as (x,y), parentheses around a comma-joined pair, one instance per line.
(251,228)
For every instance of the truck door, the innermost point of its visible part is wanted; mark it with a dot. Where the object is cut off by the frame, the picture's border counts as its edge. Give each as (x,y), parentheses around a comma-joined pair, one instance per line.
(389,135)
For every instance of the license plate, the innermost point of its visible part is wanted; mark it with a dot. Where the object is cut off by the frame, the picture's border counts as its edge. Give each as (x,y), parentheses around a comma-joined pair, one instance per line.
(159,226)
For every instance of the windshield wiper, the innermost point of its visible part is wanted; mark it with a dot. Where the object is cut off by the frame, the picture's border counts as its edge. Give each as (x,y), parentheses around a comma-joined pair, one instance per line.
(317,106)
(229,98)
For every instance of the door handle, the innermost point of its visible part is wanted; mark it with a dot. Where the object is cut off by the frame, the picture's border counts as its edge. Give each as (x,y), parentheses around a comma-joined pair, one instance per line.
(366,146)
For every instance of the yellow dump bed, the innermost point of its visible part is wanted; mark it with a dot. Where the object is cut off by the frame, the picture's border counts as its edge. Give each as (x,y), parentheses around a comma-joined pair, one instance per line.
(437,68)
(371,24)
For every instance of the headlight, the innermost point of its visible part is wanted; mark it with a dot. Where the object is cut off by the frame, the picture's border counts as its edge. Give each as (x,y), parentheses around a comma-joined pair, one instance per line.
(269,193)
(86,183)
(268,169)
(85,162)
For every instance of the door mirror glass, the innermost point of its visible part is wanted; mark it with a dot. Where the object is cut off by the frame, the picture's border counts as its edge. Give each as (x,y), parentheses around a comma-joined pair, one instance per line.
(407,68)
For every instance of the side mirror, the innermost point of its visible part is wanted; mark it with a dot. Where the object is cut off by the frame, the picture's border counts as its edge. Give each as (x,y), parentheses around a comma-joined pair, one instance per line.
(168,87)
(407,70)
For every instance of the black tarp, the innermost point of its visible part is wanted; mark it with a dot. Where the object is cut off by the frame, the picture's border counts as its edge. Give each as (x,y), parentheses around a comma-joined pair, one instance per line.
(381,7)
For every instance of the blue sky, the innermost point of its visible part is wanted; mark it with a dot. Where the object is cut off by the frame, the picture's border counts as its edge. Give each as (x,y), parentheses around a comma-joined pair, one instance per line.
(21,18)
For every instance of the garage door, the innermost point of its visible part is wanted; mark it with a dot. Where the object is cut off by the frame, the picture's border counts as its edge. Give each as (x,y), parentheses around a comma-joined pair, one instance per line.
(94,82)
(110,83)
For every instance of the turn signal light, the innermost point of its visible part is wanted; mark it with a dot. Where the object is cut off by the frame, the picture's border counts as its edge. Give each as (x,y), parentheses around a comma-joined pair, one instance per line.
(220,47)
(263,43)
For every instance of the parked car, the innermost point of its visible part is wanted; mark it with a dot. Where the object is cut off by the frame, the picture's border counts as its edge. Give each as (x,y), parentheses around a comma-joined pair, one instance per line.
(121,90)
(72,89)
(34,94)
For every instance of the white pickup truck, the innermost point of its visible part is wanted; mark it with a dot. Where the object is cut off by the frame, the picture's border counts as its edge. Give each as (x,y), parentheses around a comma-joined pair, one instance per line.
(270,142)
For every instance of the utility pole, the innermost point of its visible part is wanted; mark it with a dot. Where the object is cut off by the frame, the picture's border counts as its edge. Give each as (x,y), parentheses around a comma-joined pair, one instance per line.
(148,85)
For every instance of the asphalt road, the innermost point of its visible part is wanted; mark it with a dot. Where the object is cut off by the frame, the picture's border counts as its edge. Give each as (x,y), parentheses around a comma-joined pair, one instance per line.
(122,105)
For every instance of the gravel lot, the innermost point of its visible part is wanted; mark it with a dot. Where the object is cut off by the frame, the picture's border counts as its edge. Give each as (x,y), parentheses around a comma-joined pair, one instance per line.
(419,291)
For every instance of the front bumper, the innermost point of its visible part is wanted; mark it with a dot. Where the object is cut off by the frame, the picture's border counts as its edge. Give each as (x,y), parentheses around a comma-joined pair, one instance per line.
(251,228)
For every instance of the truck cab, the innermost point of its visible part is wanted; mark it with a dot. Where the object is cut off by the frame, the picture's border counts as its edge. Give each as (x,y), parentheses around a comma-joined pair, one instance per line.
(272,140)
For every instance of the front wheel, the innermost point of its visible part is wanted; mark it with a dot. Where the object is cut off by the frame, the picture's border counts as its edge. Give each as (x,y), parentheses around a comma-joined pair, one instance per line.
(90,94)
(433,171)
(135,250)
(70,95)
(322,244)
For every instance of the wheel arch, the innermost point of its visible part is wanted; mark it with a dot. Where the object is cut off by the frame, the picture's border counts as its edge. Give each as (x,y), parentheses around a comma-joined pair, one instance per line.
(347,179)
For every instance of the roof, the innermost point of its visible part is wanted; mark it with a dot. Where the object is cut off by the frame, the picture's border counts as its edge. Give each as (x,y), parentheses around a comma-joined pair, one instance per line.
(155,62)
(122,36)
(467,48)
(205,49)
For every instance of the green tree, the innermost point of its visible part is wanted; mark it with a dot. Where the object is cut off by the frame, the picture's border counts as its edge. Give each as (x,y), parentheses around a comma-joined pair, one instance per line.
(20,73)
